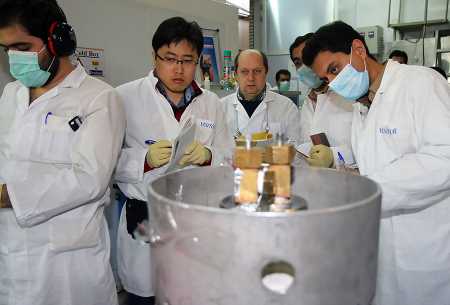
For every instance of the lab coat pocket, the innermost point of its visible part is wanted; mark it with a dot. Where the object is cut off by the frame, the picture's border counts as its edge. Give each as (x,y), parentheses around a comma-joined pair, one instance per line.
(204,132)
(422,240)
(73,233)
(56,139)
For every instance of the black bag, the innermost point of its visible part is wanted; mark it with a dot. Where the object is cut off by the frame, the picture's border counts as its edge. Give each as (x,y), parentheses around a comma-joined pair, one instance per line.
(137,212)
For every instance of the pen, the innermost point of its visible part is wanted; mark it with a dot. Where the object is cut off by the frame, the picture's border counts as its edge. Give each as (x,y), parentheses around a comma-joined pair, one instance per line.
(341,161)
(46,117)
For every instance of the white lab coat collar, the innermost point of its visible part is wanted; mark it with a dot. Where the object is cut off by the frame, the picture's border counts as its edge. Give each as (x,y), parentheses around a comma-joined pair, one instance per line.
(73,80)
(152,79)
(391,67)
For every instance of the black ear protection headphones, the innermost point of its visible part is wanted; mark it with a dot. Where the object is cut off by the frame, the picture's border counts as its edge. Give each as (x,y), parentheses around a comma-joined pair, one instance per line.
(61,40)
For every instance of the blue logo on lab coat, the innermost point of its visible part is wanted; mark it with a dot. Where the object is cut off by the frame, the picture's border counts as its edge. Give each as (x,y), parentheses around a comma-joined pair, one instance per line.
(388,131)
(207,124)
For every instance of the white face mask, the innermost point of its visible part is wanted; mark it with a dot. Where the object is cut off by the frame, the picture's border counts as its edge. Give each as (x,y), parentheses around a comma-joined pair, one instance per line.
(350,83)
(308,77)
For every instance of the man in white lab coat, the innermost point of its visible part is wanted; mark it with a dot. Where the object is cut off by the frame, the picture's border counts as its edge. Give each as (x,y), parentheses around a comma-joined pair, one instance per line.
(283,80)
(401,140)
(60,136)
(323,111)
(157,107)
(254,108)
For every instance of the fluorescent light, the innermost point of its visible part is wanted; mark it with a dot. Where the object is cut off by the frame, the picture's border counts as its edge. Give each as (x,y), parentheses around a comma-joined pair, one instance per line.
(242,4)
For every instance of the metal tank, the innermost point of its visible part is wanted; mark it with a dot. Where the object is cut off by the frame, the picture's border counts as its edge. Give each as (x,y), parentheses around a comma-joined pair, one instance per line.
(205,255)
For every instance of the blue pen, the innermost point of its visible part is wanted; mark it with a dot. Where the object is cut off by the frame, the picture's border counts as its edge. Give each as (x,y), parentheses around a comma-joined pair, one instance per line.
(149,142)
(341,159)
(46,117)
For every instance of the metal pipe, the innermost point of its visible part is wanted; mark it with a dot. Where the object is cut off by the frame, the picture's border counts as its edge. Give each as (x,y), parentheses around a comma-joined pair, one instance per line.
(264,25)
(400,2)
(446,12)
(389,13)
(234,251)
(424,32)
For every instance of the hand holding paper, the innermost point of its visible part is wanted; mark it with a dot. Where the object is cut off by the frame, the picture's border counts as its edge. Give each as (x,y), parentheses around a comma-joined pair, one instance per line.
(195,153)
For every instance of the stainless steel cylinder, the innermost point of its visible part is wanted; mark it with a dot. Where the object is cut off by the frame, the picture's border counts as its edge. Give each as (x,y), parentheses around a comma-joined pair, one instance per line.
(205,255)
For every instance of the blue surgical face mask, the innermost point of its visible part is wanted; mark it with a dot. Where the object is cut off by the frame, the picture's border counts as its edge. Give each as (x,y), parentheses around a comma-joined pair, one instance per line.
(24,66)
(284,85)
(350,83)
(308,77)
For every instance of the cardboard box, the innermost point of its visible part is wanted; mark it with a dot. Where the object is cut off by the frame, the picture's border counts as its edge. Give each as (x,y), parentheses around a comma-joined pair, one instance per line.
(248,190)
(278,155)
(248,158)
(282,184)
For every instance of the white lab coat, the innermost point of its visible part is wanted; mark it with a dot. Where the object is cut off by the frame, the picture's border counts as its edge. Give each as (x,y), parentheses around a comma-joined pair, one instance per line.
(276,112)
(332,116)
(150,116)
(403,143)
(54,242)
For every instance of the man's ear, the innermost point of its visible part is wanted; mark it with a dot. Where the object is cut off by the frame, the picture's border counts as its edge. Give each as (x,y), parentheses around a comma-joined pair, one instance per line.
(359,48)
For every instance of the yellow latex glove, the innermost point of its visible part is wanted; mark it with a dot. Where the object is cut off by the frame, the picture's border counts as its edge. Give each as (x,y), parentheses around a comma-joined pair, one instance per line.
(320,156)
(195,153)
(159,153)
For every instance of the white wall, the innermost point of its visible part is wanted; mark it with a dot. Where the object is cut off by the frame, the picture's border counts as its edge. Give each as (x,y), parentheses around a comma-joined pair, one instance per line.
(124,28)
(208,13)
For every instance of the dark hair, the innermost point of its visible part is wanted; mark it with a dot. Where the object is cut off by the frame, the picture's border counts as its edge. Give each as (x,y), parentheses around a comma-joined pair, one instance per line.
(334,37)
(36,16)
(264,58)
(280,72)
(440,71)
(175,30)
(298,41)
(398,53)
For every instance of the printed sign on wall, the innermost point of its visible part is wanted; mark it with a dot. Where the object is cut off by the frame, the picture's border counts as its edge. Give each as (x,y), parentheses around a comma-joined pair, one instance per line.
(92,60)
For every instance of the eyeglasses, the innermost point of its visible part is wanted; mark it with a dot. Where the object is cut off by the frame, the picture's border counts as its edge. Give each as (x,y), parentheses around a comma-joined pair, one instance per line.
(171,61)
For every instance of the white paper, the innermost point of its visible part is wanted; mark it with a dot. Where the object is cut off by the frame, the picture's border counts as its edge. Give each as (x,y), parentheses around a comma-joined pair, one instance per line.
(304,148)
(180,144)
